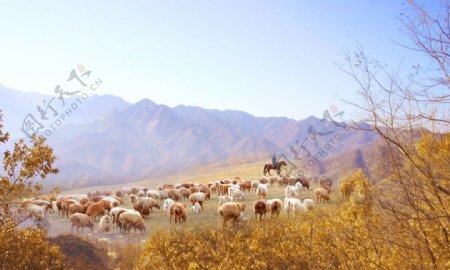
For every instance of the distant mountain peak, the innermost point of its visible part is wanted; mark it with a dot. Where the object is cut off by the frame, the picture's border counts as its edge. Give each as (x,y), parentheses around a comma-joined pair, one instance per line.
(145,103)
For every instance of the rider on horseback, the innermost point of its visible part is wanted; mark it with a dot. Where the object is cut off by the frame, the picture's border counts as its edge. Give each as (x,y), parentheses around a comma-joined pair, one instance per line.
(274,160)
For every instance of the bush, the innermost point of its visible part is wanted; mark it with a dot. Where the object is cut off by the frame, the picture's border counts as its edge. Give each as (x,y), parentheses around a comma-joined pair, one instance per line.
(27,249)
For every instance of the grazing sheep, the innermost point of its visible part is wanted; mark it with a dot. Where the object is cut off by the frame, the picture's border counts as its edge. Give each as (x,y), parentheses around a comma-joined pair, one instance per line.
(79,220)
(264,180)
(194,189)
(309,204)
(246,186)
(174,194)
(289,204)
(298,187)
(141,194)
(46,204)
(255,184)
(65,206)
(105,224)
(262,190)
(223,189)
(290,192)
(178,210)
(199,197)
(36,211)
(325,181)
(274,207)
(167,204)
(76,208)
(145,205)
(115,214)
(185,193)
(321,195)
(236,194)
(120,193)
(260,208)
(163,195)
(133,199)
(130,219)
(295,206)
(231,210)
(95,210)
(153,194)
(196,208)
(84,201)
(224,199)
(304,182)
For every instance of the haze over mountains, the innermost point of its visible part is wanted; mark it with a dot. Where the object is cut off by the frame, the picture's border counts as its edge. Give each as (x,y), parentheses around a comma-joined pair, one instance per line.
(107,140)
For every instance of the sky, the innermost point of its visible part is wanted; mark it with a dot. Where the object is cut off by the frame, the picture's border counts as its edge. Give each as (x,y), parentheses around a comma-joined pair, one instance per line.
(268,58)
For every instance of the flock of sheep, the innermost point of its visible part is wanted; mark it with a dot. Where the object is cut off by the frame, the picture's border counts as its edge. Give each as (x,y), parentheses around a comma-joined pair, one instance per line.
(83,210)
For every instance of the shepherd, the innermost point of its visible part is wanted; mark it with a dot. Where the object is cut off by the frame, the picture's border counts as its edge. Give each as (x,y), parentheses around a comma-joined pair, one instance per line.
(274,166)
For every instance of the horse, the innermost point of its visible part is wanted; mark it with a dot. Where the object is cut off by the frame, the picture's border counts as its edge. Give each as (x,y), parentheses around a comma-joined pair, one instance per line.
(270,166)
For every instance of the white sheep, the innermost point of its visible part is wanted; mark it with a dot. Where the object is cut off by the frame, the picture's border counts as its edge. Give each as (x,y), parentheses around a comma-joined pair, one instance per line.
(196,208)
(310,204)
(262,190)
(298,187)
(105,224)
(290,192)
(236,194)
(225,199)
(167,204)
(36,211)
(289,204)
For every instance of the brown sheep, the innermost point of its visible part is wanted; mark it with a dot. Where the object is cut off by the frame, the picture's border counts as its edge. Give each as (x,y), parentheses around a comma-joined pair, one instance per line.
(186,185)
(120,194)
(260,208)
(274,207)
(327,188)
(130,219)
(246,186)
(230,211)
(326,181)
(185,193)
(145,206)
(97,198)
(304,182)
(223,189)
(95,210)
(264,180)
(79,220)
(194,189)
(76,208)
(168,186)
(107,205)
(174,194)
(321,195)
(84,201)
(65,206)
(178,210)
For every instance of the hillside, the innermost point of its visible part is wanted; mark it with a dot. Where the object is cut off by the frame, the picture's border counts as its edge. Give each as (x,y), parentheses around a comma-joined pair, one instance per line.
(108,140)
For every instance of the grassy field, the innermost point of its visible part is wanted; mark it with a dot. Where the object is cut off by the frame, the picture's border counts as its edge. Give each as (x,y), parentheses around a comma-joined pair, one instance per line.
(209,217)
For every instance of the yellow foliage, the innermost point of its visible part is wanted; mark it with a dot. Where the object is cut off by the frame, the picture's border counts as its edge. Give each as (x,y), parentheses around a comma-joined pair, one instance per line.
(27,249)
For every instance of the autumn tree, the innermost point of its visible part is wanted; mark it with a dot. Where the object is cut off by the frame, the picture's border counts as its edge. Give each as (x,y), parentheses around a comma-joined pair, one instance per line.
(24,248)
(411,115)
(21,167)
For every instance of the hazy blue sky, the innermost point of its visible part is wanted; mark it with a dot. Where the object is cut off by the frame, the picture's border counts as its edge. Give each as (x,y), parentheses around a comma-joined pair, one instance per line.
(269,58)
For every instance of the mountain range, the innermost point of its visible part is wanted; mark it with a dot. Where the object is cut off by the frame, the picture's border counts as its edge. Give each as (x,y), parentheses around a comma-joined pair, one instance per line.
(107,140)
